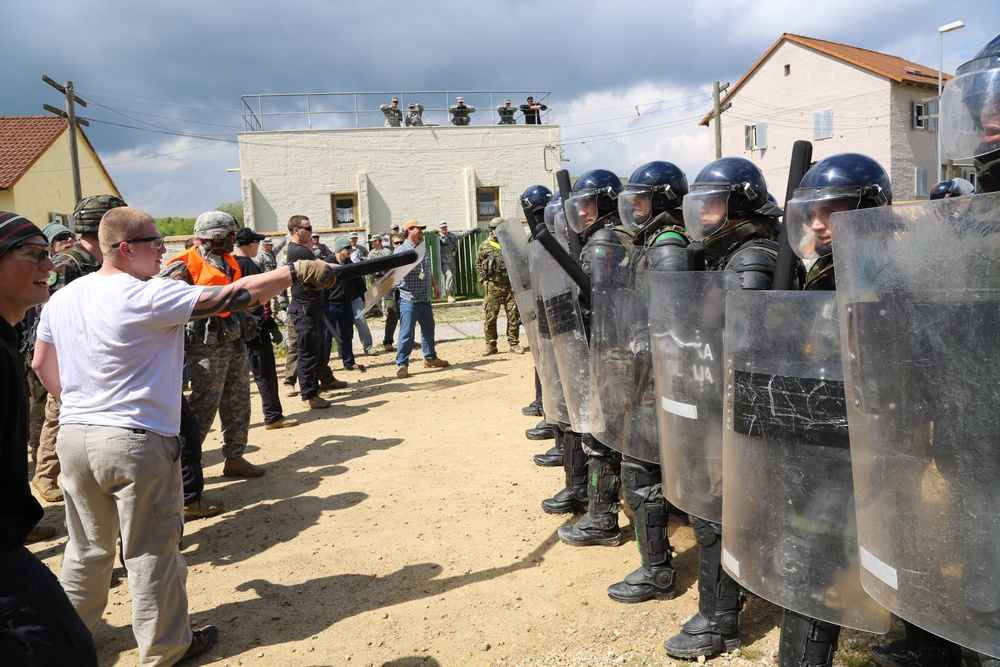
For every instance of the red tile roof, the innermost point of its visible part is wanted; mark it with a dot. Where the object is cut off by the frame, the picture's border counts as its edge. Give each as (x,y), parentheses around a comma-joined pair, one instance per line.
(23,139)
(897,69)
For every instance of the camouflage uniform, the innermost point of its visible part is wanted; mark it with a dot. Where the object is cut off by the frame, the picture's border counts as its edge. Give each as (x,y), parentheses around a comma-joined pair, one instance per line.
(460,113)
(216,360)
(492,273)
(70,265)
(415,118)
(506,113)
(393,115)
(266,261)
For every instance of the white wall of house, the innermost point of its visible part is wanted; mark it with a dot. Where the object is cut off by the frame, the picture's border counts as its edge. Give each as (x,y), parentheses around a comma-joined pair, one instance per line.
(870,115)
(914,151)
(427,173)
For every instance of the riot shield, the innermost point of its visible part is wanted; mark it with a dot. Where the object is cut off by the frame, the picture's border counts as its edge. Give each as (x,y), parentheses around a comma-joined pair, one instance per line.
(790,535)
(553,400)
(687,318)
(383,285)
(919,305)
(569,339)
(514,245)
(622,395)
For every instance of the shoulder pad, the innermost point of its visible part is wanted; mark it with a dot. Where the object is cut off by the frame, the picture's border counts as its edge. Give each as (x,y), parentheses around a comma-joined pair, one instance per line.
(604,235)
(755,262)
(670,237)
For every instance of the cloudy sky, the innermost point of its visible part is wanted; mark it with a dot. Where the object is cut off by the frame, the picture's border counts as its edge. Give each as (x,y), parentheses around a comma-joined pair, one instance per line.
(628,80)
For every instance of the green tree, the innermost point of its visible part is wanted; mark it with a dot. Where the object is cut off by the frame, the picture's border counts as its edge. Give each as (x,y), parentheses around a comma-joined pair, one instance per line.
(172,226)
(233,208)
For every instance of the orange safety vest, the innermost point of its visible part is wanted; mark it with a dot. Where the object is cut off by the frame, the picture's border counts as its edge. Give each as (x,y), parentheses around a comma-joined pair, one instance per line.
(203,273)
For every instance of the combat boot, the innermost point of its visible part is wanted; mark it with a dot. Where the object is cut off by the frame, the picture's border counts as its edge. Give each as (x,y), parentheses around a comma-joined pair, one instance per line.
(654,580)
(599,526)
(806,642)
(553,457)
(572,499)
(491,348)
(715,628)
(918,648)
(542,431)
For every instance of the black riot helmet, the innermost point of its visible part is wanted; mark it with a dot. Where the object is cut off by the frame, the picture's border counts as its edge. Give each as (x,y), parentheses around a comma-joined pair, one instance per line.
(594,196)
(536,198)
(970,106)
(727,189)
(653,188)
(842,182)
(956,187)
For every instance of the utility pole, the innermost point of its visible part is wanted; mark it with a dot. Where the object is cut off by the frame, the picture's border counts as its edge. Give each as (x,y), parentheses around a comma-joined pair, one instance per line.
(717,115)
(71,122)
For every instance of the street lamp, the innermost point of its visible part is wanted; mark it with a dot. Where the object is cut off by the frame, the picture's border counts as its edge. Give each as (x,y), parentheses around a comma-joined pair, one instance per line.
(941,31)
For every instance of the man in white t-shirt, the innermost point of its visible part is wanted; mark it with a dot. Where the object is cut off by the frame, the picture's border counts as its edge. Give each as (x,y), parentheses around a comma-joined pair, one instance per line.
(111,348)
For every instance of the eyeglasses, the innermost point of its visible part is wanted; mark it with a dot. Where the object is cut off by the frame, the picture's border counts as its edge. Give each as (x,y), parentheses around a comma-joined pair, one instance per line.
(65,236)
(397,243)
(155,242)
(37,256)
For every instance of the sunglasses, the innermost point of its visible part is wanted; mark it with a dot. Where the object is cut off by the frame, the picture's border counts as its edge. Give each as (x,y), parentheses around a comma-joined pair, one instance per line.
(397,243)
(23,251)
(155,242)
(65,236)
(308,229)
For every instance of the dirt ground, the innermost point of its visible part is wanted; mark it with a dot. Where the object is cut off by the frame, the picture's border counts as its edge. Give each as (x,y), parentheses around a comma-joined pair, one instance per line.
(402,527)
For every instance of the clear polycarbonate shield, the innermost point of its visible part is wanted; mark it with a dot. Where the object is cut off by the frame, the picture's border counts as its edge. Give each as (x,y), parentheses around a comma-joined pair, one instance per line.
(569,340)
(553,398)
(705,209)
(384,285)
(970,114)
(516,251)
(788,495)
(687,319)
(919,306)
(582,210)
(622,390)
(514,246)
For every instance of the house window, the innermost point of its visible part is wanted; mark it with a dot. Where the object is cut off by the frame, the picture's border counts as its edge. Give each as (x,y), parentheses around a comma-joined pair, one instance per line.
(60,219)
(788,70)
(755,136)
(932,116)
(823,125)
(345,209)
(488,200)
(919,115)
(921,188)
(969,174)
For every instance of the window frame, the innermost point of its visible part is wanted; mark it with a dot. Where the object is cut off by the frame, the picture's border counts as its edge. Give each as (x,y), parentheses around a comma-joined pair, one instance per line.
(343,196)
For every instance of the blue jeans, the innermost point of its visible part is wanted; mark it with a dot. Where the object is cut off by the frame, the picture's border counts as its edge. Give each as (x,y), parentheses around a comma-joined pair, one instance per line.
(364,332)
(341,319)
(410,314)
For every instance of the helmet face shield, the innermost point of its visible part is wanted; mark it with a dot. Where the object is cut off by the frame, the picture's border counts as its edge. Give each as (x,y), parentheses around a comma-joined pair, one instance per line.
(970,114)
(582,210)
(807,218)
(705,208)
(635,208)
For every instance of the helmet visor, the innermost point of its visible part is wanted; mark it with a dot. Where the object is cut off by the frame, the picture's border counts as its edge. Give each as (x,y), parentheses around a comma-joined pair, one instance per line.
(582,210)
(705,208)
(970,114)
(635,208)
(807,218)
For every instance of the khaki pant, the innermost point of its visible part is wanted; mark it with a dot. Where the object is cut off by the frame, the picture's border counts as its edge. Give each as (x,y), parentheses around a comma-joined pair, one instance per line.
(46,460)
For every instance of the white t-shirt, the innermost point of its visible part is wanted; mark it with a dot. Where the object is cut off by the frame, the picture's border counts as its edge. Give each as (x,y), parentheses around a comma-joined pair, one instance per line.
(120,346)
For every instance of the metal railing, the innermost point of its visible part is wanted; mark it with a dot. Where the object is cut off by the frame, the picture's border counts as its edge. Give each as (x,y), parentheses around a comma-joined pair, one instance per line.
(314,111)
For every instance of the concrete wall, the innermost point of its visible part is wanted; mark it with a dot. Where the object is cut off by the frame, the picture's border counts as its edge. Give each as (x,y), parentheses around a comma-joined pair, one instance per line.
(428,173)
(47,187)
(871,115)
(911,148)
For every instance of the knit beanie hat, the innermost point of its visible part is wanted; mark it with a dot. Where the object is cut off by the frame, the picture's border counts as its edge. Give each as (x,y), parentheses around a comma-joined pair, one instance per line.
(14,229)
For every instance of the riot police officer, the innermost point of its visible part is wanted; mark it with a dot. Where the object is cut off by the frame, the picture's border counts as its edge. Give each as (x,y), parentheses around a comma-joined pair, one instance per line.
(720,212)
(650,208)
(592,212)
(955,187)
(819,521)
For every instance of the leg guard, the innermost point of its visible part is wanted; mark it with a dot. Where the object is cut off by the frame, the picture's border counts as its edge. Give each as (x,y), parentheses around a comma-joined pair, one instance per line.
(655,578)
(806,642)
(573,498)
(918,648)
(553,458)
(716,627)
(599,526)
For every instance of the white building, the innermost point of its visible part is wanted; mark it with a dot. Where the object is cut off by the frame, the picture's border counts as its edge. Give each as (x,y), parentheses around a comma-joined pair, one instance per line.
(366,179)
(843,99)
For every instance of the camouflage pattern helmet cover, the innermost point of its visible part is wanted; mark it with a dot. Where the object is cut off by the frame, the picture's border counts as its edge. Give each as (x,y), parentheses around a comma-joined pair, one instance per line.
(88,213)
(215,225)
